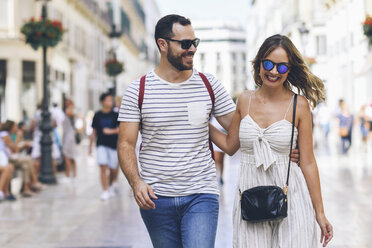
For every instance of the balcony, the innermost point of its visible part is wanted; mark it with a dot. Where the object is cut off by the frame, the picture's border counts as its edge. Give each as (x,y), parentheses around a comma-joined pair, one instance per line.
(102,14)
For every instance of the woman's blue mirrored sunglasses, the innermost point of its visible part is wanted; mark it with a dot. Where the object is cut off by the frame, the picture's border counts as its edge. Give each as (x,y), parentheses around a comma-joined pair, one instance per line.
(268,65)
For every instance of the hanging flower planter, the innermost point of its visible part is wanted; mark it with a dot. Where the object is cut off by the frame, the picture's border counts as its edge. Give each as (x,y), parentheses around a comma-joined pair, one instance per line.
(367,28)
(42,32)
(114,67)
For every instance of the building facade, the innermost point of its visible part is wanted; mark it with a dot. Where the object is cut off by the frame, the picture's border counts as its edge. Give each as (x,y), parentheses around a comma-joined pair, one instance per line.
(330,37)
(76,65)
(222,52)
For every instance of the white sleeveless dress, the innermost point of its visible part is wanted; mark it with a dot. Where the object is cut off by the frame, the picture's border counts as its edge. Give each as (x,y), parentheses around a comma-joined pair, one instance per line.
(264,161)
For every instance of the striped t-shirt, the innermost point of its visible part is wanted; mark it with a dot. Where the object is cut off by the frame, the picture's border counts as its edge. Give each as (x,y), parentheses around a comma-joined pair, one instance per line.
(175,158)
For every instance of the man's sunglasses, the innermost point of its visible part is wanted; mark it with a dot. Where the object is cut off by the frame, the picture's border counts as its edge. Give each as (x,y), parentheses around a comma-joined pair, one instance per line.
(186,44)
(268,65)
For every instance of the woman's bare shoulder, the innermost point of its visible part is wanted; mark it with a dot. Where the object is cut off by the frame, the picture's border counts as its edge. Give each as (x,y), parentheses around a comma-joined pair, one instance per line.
(244,96)
(303,106)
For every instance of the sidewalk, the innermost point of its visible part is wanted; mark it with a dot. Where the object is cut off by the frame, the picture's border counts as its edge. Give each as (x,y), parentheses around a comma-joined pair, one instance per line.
(72,215)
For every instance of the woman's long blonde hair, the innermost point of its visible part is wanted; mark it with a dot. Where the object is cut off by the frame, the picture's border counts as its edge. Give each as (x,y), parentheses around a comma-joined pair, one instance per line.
(299,76)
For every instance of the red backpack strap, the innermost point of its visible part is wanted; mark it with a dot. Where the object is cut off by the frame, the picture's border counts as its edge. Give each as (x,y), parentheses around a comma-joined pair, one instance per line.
(209,88)
(211,94)
(141,92)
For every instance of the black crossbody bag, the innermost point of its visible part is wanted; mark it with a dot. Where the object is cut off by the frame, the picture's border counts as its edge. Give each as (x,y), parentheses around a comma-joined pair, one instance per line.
(267,203)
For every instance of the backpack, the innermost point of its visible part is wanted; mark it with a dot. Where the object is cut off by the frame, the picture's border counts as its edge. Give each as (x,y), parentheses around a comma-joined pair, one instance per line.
(207,85)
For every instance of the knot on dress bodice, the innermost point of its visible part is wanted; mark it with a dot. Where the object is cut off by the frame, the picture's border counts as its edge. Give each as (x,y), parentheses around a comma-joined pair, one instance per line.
(262,151)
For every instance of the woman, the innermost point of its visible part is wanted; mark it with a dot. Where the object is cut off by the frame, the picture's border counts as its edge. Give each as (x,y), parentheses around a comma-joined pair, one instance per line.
(20,161)
(6,170)
(346,120)
(69,144)
(262,127)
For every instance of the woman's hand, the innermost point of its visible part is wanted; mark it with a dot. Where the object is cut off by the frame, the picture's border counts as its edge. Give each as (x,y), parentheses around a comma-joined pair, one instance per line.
(326,228)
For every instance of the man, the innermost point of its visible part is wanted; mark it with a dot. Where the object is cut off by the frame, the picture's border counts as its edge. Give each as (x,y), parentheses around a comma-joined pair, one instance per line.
(105,127)
(177,189)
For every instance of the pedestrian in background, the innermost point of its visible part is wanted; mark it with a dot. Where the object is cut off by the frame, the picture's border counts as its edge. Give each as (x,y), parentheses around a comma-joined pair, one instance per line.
(345,123)
(69,141)
(364,126)
(262,128)
(105,128)
(6,169)
(368,115)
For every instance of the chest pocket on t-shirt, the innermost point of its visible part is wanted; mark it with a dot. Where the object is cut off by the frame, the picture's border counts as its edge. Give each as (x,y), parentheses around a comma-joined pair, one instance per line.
(197,113)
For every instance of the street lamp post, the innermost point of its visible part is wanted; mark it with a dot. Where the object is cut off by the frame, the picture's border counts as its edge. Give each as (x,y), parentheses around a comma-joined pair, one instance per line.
(47,173)
(114,35)
(304,32)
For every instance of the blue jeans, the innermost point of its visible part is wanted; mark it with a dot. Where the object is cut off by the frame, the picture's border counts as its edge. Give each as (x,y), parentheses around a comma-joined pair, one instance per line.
(183,222)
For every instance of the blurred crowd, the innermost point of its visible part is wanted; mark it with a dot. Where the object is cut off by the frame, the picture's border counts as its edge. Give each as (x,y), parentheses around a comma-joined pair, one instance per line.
(342,122)
(20,149)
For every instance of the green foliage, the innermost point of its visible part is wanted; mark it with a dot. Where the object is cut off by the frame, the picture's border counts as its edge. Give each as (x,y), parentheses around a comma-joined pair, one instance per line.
(42,32)
(114,67)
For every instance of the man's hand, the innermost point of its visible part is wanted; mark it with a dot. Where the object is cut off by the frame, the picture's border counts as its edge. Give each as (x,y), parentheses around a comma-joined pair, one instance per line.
(142,193)
(295,156)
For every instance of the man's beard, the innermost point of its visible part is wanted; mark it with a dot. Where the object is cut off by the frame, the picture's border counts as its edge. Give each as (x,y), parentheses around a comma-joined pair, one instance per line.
(176,61)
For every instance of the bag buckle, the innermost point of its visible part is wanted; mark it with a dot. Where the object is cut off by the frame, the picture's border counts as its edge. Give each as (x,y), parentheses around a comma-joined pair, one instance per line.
(285,189)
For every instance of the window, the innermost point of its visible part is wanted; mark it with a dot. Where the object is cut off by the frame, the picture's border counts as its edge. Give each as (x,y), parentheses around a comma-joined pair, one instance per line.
(125,23)
(202,55)
(4,17)
(218,68)
(243,56)
(321,45)
(28,72)
(233,56)
(28,95)
(218,56)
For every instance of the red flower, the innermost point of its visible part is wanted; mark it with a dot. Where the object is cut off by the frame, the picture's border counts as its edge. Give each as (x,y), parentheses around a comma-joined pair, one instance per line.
(32,19)
(51,35)
(38,34)
(368,20)
(47,23)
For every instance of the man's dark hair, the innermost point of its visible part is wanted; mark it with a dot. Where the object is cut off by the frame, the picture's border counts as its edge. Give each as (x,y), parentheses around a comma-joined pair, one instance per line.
(163,28)
(103,96)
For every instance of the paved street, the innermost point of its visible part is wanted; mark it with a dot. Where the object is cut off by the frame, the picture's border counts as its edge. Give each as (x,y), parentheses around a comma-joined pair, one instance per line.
(72,215)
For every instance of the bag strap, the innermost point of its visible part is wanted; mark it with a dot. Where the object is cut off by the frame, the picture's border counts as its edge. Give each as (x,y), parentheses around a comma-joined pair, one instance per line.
(141,92)
(290,151)
(209,88)
(211,94)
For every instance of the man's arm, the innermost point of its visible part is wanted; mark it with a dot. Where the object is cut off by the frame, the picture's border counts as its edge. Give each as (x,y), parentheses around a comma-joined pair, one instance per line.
(110,131)
(128,134)
(225,120)
(91,140)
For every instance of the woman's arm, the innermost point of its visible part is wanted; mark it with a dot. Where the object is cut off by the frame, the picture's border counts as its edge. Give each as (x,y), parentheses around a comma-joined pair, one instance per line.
(228,143)
(9,143)
(309,167)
